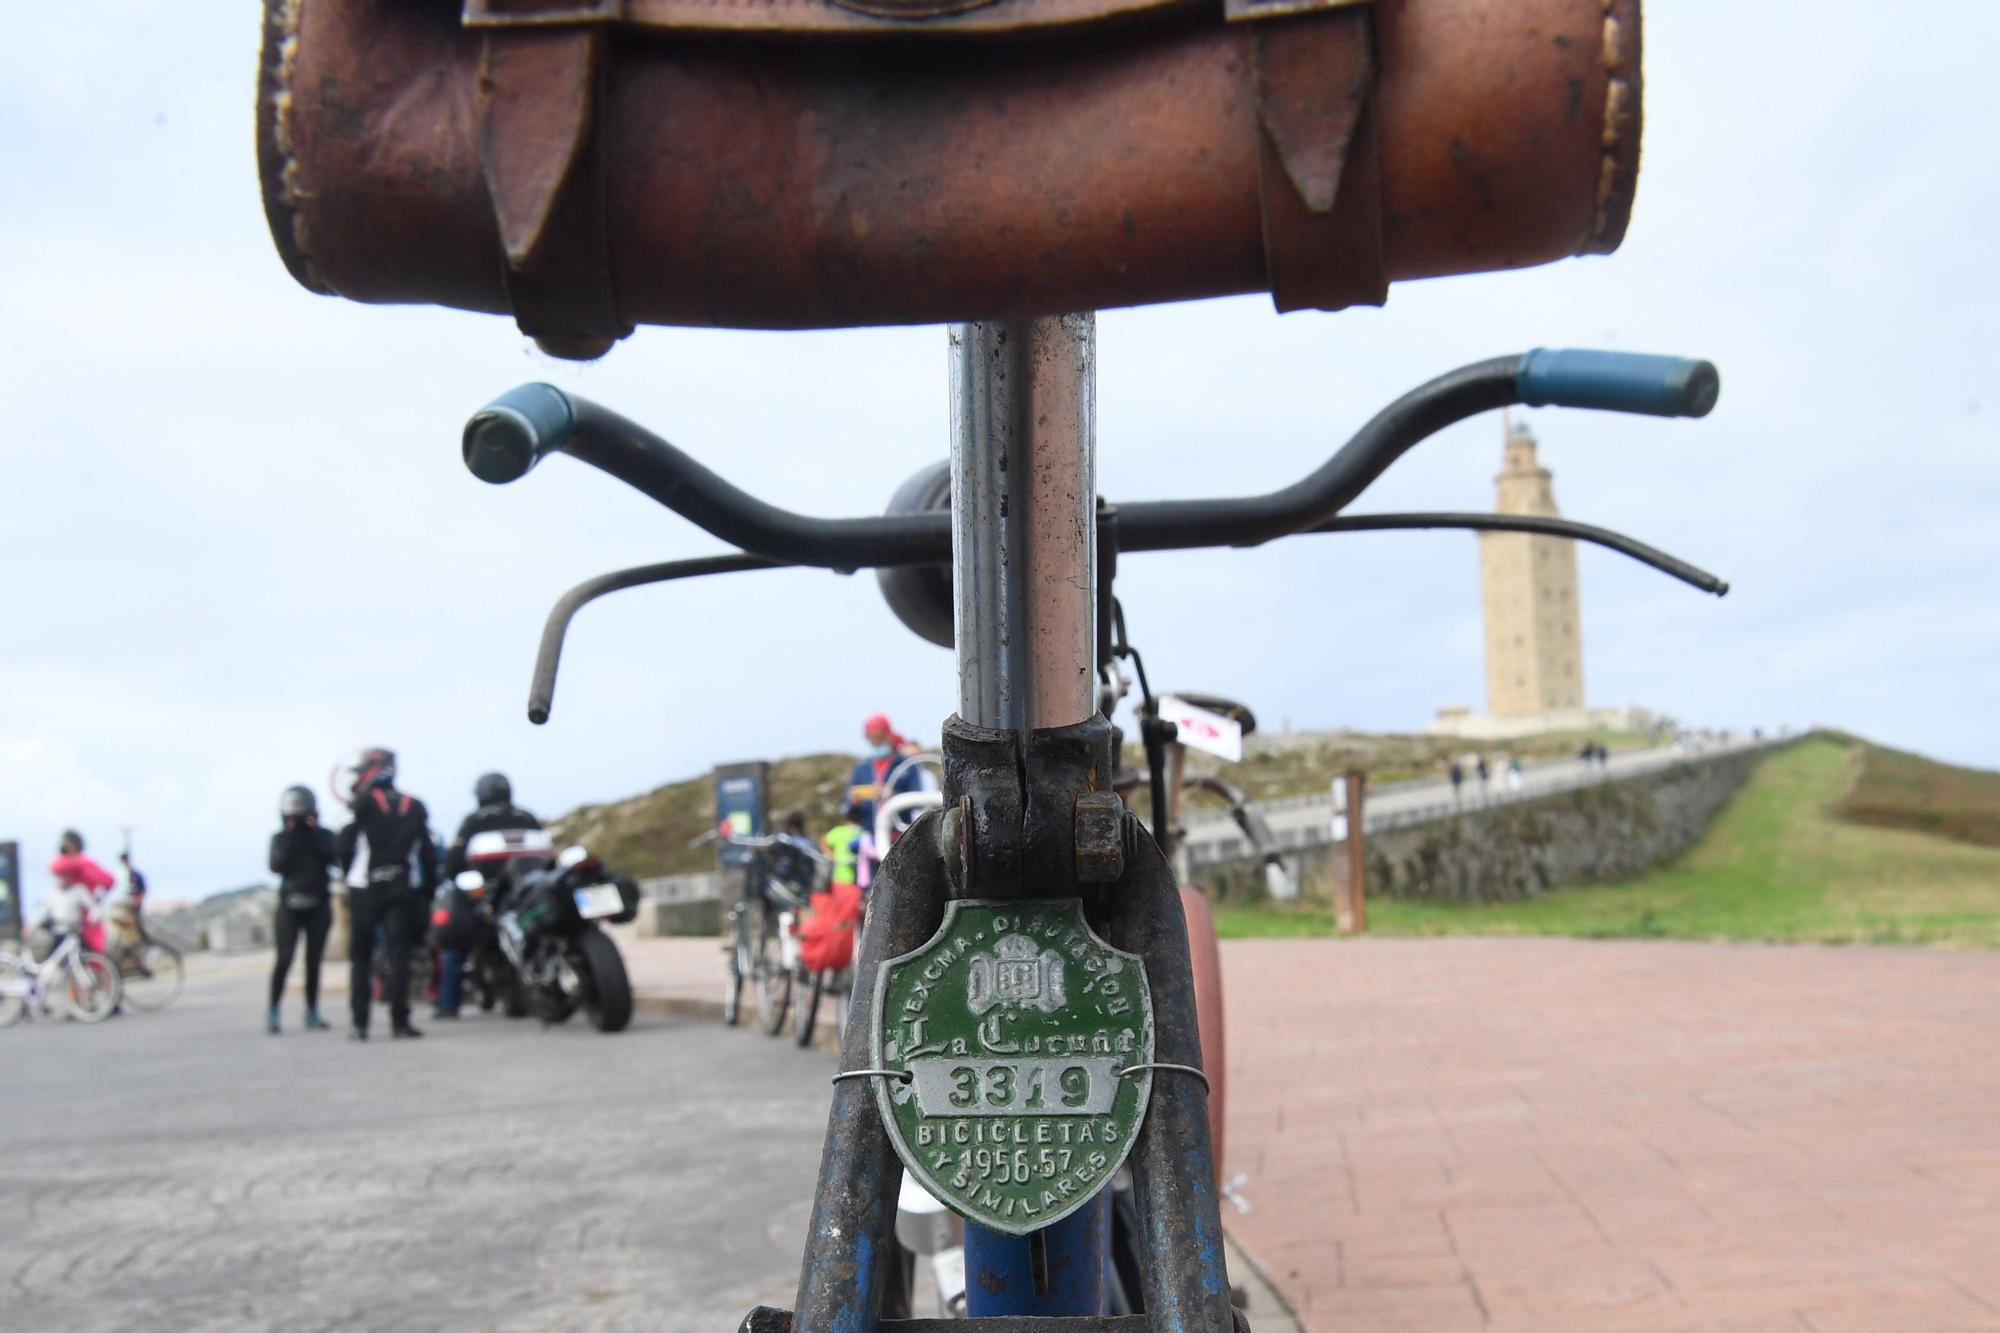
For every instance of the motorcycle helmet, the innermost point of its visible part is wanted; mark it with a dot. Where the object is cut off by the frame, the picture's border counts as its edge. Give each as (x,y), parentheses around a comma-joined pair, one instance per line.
(493,789)
(369,769)
(297,802)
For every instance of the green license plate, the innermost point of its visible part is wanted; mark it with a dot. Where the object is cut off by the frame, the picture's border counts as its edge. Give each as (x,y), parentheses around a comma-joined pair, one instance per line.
(1011,1029)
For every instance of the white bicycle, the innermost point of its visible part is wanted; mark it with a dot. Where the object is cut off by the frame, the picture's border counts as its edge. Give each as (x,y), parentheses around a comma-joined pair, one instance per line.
(72,980)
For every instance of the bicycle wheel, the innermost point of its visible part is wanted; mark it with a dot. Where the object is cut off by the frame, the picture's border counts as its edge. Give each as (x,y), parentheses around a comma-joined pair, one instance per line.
(806,1016)
(151,973)
(16,984)
(89,988)
(771,977)
(736,962)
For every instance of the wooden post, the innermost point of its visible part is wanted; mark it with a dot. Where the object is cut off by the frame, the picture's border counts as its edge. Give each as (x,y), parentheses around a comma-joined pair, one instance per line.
(1351,912)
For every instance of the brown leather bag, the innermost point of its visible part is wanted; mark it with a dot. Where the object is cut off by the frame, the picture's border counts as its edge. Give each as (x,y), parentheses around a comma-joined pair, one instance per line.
(589,165)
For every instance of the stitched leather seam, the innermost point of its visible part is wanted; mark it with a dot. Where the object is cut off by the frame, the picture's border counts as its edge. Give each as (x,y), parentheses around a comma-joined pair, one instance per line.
(1617,93)
(292,193)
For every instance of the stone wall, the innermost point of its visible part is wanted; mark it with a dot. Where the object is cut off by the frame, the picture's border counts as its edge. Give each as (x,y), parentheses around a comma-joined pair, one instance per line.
(1592,835)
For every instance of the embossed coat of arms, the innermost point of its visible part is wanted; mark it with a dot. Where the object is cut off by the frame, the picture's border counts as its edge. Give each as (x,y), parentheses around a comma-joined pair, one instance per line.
(1015,1031)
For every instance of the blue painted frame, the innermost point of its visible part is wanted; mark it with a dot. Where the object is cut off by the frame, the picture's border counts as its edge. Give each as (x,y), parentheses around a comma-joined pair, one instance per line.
(1000,1273)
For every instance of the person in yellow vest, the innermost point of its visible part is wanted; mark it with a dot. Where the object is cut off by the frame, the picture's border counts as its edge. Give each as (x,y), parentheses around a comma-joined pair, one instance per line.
(842,845)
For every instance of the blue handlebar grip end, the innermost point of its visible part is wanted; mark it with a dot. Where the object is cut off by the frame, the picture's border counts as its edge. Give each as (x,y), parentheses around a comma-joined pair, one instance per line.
(1660,386)
(506,438)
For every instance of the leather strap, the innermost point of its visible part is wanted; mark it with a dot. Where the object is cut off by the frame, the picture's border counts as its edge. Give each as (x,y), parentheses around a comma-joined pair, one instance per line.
(539,91)
(833,18)
(1319,170)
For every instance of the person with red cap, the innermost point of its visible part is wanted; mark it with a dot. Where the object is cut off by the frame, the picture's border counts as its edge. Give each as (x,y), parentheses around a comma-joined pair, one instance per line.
(872,777)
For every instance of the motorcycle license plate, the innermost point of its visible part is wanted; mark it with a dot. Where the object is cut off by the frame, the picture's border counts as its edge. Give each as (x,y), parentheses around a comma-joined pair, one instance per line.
(598,900)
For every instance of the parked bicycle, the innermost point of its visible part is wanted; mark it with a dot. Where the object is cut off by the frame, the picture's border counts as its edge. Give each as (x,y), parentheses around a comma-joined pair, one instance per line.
(73,981)
(151,969)
(762,942)
(1026,979)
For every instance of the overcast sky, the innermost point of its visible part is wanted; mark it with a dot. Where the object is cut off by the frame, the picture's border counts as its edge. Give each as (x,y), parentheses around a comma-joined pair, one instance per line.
(238,540)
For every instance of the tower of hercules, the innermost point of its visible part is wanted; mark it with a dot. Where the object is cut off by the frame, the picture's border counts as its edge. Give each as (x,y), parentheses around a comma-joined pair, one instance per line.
(1534,648)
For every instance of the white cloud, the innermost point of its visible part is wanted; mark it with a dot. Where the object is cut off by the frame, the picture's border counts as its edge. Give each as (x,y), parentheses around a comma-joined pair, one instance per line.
(238,540)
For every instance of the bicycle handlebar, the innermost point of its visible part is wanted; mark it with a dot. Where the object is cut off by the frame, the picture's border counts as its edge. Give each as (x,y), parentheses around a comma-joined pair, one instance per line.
(542,689)
(1542,526)
(507,438)
(1660,386)
(503,442)
(759,842)
(1616,381)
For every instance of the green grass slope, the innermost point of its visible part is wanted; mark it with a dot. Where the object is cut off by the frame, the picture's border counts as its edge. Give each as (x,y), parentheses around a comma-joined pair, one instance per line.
(1780,864)
(648,834)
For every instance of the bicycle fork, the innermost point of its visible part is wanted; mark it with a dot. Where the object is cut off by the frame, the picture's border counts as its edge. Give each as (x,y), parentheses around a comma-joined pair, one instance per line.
(1029,817)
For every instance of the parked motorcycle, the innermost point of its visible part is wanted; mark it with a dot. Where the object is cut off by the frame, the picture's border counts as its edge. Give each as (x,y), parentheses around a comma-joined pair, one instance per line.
(549,930)
(467,918)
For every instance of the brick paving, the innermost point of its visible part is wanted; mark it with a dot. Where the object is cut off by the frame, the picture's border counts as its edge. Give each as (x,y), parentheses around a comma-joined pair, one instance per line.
(684,969)
(1553,1135)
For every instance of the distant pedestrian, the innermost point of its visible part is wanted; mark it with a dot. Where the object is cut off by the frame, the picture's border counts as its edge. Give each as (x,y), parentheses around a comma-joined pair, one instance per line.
(135,884)
(392,866)
(303,856)
(842,846)
(75,871)
(71,908)
(883,773)
(1457,779)
(1514,778)
(1485,777)
(1603,756)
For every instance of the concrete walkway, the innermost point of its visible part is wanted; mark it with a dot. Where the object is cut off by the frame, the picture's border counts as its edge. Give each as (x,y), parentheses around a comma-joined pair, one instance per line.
(1555,1135)
(1552,1135)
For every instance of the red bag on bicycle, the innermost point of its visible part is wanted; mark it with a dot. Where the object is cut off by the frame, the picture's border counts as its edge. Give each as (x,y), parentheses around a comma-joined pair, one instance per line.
(826,936)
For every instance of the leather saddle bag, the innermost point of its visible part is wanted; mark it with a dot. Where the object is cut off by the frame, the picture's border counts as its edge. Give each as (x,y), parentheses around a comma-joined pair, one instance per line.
(590,165)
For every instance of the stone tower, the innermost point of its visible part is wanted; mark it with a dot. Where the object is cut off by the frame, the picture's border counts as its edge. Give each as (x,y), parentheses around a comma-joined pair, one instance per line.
(1534,647)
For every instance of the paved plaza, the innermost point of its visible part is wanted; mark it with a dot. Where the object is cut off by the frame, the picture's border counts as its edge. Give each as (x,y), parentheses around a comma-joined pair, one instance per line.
(1434,1135)
(184,1171)
(1554,1135)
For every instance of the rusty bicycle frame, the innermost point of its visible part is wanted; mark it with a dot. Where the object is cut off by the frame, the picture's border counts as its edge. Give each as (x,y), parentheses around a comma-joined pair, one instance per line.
(1029,808)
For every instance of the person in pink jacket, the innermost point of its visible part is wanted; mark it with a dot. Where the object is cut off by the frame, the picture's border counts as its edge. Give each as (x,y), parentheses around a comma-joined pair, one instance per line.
(73,870)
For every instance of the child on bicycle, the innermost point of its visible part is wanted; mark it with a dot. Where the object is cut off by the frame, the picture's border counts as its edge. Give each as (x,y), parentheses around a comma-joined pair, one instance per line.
(65,912)
(80,882)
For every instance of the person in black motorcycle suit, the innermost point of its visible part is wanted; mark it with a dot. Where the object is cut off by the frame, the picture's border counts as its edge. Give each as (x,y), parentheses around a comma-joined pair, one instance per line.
(303,855)
(391,865)
(497,813)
